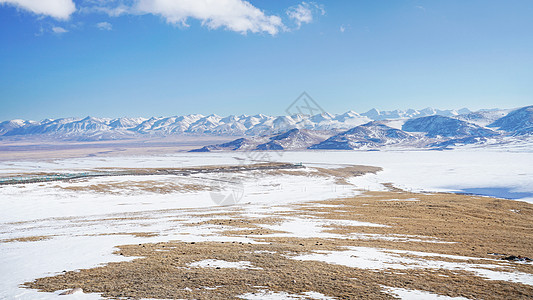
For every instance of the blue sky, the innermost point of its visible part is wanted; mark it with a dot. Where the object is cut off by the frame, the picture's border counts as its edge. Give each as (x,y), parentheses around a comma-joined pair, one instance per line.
(112,58)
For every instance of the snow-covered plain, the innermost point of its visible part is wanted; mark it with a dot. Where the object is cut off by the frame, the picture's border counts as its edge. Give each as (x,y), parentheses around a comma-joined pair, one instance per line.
(74,221)
(82,227)
(493,172)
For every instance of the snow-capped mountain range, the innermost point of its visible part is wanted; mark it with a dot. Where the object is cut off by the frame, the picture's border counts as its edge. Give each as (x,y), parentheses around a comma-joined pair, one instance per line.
(437,131)
(350,130)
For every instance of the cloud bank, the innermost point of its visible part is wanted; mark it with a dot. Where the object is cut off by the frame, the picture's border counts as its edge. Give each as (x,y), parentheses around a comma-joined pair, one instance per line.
(59,9)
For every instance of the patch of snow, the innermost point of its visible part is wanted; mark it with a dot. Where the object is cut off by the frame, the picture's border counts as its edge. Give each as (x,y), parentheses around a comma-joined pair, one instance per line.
(269,295)
(216,263)
(401,200)
(312,228)
(397,238)
(381,259)
(23,262)
(318,296)
(417,294)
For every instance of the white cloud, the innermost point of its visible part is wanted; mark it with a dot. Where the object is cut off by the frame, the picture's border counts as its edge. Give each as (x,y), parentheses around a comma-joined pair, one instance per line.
(303,12)
(342,28)
(113,8)
(59,30)
(104,26)
(59,9)
(235,15)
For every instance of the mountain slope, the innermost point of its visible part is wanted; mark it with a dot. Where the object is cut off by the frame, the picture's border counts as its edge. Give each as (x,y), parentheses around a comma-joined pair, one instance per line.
(369,135)
(517,122)
(293,139)
(238,144)
(11,125)
(440,126)
(483,117)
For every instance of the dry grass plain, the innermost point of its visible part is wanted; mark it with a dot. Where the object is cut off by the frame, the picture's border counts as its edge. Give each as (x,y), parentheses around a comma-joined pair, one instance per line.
(443,225)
